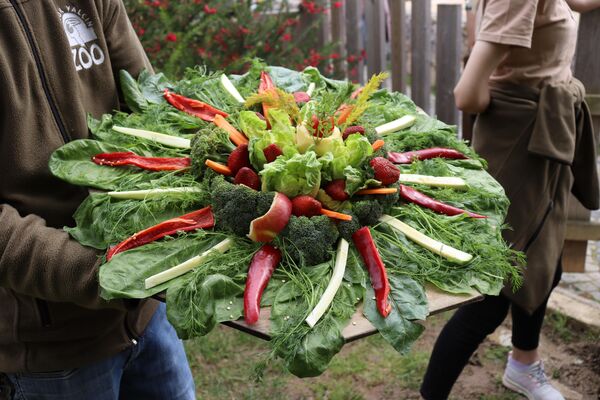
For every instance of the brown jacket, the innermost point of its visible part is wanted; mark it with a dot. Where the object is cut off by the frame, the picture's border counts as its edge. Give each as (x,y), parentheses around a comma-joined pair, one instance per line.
(540,146)
(59,60)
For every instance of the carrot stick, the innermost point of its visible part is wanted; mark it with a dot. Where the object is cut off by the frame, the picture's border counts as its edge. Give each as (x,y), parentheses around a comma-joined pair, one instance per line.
(344,112)
(377,191)
(236,136)
(336,215)
(218,167)
(377,144)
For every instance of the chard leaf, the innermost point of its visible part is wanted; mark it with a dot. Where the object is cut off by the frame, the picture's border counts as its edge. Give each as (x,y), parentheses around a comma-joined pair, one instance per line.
(73,163)
(396,329)
(195,310)
(131,92)
(102,220)
(123,276)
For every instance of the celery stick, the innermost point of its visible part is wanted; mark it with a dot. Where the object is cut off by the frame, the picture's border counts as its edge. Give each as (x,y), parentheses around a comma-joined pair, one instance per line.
(167,140)
(186,266)
(339,268)
(448,252)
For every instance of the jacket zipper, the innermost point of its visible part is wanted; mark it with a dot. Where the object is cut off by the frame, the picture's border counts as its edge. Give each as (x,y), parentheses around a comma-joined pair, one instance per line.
(44,312)
(61,127)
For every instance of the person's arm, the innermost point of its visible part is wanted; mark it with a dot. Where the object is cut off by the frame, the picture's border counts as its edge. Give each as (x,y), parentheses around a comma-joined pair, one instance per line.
(124,47)
(44,262)
(472,92)
(582,6)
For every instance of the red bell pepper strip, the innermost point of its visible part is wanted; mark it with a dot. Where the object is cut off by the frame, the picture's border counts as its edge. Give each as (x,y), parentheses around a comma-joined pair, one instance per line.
(261,268)
(366,247)
(193,107)
(119,159)
(414,196)
(200,219)
(425,154)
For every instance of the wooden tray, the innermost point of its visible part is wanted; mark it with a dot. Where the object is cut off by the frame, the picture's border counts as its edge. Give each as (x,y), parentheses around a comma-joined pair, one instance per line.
(359,327)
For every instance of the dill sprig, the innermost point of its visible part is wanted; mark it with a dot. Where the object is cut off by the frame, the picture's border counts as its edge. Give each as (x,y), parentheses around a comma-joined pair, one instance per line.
(362,101)
(276,98)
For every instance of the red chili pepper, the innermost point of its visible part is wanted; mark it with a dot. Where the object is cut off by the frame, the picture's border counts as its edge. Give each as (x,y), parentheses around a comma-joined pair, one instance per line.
(193,107)
(261,268)
(414,196)
(425,154)
(200,219)
(370,255)
(149,163)
(266,84)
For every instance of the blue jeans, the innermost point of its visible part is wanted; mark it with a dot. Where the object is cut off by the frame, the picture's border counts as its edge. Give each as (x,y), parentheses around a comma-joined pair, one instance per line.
(155,368)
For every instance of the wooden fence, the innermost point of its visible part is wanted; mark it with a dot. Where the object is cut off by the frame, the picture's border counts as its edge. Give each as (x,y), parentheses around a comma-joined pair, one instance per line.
(385,30)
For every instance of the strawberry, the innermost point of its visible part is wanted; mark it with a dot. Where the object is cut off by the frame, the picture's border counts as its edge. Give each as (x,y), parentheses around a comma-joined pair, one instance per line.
(336,190)
(353,129)
(246,176)
(385,170)
(305,206)
(301,97)
(271,152)
(238,159)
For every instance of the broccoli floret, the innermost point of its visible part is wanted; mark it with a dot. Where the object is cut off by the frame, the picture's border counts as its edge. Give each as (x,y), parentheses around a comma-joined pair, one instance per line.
(309,241)
(367,211)
(370,133)
(387,201)
(209,143)
(235,206)
(347,228)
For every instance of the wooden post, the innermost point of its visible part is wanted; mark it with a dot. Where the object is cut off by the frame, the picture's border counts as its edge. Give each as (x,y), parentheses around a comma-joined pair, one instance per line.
(587,63)
(421,54)
(375,37)
(449,51)
(338,36)
(398,44)
(354,43)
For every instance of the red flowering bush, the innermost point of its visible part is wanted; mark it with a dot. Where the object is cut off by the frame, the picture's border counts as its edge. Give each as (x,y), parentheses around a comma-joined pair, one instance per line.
(226,34)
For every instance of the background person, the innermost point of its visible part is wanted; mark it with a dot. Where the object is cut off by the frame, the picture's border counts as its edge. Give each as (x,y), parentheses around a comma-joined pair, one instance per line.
(536,133)
(59,61)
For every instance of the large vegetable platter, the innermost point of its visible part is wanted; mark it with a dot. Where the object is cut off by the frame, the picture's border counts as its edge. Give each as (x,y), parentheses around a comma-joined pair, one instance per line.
(289,190)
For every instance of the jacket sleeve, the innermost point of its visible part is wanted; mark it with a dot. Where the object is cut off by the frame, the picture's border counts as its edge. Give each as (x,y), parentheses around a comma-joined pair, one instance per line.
(126,51)
(44,262)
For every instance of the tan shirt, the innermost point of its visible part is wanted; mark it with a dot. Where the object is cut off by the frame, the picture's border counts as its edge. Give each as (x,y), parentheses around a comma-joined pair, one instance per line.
(542,35)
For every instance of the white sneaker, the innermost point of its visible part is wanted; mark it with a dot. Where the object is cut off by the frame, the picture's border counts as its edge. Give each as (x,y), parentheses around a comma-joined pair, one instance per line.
(532,382)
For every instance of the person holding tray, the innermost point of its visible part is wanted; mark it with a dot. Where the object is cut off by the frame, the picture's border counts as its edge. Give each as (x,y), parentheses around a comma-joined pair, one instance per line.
(60,61)
(535,130)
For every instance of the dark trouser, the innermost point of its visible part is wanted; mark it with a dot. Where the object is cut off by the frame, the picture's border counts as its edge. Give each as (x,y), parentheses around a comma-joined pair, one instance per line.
(465,331)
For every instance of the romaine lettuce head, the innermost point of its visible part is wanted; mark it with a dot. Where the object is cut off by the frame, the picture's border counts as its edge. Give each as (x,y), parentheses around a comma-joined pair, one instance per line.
(282,134)
(353,152)
(252,125)
(300,174)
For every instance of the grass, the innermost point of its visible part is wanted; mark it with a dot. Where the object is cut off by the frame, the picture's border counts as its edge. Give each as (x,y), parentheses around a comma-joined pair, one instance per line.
(223,361)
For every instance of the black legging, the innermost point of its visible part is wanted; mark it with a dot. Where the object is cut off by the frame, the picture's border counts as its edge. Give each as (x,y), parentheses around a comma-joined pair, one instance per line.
(465,331)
